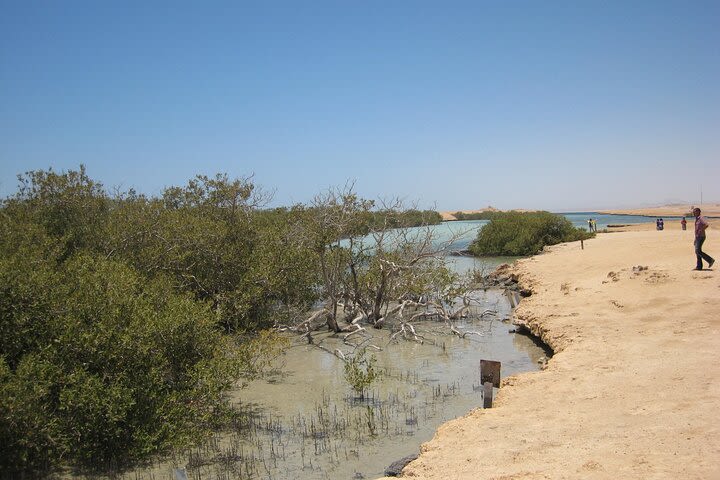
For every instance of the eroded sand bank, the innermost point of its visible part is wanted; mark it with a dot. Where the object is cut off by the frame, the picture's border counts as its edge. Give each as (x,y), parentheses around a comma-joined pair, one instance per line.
(633,390)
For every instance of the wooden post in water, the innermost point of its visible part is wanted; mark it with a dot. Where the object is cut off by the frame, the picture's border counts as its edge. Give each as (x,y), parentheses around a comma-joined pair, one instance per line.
(487,394)
(489,377)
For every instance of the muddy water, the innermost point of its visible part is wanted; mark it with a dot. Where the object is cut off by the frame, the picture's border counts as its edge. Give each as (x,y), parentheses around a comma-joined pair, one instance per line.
(306,422)
(423,385)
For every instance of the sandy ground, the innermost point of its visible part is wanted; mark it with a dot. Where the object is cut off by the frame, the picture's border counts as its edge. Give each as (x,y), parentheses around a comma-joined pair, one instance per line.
(712,210)
(633,390)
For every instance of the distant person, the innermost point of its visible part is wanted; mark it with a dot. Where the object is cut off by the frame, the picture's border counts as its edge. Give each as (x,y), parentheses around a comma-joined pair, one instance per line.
(589,224)
(683,223)
(659,224)
(594,225)
(700,226)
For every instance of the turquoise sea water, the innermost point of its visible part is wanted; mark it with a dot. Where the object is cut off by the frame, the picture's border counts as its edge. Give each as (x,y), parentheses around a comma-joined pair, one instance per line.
(467,229)
(579,219)
(463,232)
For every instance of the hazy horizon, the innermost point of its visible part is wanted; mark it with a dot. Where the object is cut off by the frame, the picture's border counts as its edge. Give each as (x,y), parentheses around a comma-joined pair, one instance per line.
(459,105)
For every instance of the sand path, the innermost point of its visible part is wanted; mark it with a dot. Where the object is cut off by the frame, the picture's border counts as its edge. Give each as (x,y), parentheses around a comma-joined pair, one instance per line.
(633,391)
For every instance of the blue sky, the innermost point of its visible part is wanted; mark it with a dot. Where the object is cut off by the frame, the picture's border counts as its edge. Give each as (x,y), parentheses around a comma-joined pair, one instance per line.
(458,105)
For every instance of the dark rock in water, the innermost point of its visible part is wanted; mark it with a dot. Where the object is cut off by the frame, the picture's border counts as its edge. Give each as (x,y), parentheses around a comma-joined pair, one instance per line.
(395,468)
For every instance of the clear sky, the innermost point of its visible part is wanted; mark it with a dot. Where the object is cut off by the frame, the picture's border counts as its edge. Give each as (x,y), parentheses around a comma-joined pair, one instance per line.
(458,105)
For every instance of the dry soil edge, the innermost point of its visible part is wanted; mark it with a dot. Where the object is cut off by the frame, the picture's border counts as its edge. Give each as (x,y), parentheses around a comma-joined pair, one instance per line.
(633,390)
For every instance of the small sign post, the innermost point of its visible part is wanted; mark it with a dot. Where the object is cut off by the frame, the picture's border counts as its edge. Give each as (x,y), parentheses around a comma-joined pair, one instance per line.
(489,377)
(490,372)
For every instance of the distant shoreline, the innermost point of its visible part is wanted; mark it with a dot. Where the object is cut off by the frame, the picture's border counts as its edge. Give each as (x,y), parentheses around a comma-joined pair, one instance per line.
(708,210)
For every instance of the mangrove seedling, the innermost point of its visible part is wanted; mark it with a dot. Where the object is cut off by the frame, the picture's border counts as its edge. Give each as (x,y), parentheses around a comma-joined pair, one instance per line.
(360,372)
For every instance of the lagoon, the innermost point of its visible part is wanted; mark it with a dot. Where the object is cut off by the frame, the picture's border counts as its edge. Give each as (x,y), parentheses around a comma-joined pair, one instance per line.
(305,422)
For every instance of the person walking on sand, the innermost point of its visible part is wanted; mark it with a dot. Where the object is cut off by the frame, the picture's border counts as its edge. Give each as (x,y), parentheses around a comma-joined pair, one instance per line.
(683,223)
(700,226)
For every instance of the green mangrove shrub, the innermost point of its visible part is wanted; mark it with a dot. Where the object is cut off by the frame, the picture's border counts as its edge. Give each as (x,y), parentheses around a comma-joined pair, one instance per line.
(360,372)
(524,233)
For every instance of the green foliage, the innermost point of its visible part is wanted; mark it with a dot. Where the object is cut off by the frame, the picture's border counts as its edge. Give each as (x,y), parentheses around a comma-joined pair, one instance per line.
(404,218)
(516,233)
(110,308)
(70,206)
(125,318)
(214,242)
(360,372)
(476,216)
(117,368)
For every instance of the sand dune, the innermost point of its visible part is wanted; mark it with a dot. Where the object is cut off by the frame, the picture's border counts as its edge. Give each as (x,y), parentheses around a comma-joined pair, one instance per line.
(633,391)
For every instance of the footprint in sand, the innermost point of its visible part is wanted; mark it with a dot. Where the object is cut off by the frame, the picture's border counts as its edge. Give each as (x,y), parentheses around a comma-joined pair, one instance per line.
(658,277)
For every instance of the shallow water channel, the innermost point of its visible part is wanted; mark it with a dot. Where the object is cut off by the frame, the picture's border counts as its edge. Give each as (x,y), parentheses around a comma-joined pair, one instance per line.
(325,432)
(307,423)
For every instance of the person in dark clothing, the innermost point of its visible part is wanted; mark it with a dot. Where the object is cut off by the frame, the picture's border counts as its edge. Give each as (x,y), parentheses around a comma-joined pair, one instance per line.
(700,226)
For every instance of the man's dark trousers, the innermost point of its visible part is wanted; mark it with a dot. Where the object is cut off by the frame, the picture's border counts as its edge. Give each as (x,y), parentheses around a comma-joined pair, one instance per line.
(700,254)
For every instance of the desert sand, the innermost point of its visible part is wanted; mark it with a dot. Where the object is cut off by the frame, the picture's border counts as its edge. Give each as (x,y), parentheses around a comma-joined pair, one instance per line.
(712,210)
(633,390)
